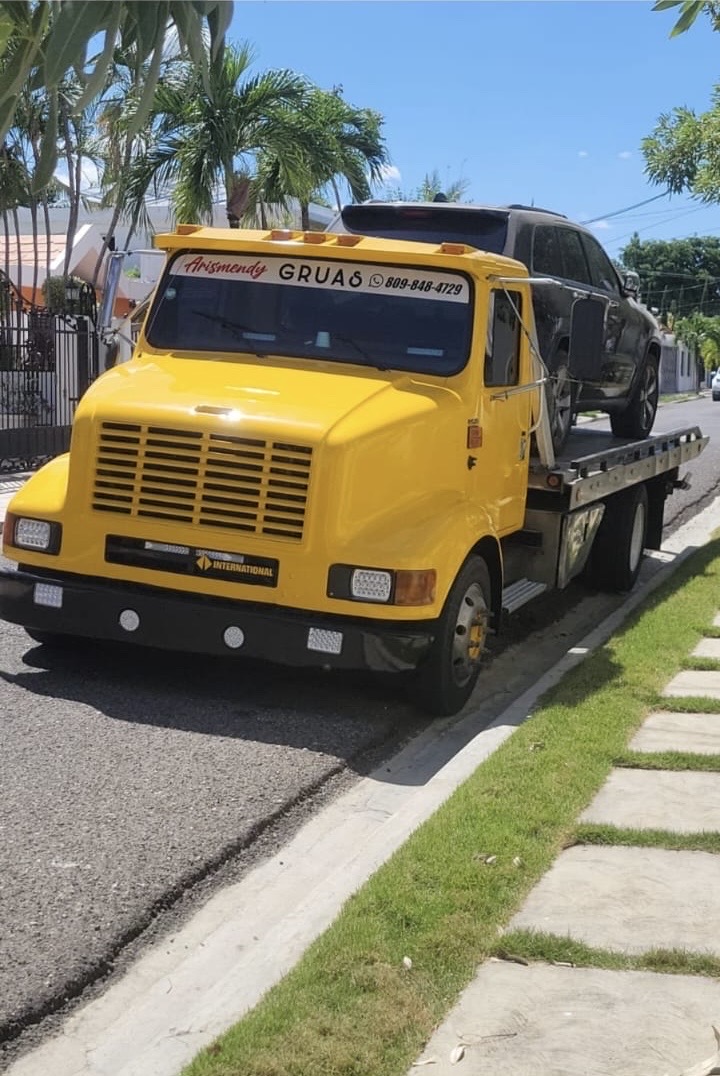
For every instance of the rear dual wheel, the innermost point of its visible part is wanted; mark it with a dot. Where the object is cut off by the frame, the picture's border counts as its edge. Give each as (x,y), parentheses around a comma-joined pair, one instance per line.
(617,551)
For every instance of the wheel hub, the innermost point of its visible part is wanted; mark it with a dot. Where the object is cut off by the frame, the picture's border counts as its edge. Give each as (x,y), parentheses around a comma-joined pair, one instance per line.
(470,633)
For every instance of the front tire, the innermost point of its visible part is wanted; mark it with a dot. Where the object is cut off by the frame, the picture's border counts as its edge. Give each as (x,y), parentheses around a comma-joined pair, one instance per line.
(617,552)
(638,417)
(446,679)
(561,396)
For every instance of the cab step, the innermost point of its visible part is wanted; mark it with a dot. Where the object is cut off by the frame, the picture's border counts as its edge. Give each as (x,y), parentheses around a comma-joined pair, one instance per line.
(520,593)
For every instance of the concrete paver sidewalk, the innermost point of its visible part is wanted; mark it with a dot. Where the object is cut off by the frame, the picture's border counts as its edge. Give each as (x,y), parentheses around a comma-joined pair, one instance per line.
(548,1020)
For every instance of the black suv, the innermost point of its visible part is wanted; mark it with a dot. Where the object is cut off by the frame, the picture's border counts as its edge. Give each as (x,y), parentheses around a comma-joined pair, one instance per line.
(626,384)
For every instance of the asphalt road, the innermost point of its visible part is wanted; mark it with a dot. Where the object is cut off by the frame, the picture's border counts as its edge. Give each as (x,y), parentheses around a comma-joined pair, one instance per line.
(134,782)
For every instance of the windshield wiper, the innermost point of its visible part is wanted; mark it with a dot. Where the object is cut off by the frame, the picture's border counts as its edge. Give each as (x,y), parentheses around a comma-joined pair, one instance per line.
(360,350)
(238,330)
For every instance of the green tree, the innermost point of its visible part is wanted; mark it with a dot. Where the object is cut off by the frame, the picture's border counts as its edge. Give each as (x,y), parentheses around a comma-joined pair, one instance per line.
(41,41)
(337,142)
(13,193)
(683,151)
(206,140)
(690,10)
(683,272)
(702,335)
(120,143)
(431,186)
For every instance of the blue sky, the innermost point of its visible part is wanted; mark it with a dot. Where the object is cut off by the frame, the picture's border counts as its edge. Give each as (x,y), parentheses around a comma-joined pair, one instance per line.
(526,99)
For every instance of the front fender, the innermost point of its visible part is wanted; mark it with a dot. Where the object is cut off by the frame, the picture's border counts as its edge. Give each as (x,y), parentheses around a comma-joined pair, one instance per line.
(434,532)
(43,496)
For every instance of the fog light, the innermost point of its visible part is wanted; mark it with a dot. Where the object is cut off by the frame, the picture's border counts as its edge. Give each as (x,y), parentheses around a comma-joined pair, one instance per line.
(371,586)
(32,533)
(327,642)
(233,637)
(48,594)
(129,620)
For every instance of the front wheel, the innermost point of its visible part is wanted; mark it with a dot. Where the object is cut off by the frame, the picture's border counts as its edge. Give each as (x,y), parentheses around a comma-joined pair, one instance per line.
(638,417)
(445,681)
(617,551)
(561,396)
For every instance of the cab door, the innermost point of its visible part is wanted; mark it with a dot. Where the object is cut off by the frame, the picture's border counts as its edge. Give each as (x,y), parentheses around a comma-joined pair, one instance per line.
(500,471)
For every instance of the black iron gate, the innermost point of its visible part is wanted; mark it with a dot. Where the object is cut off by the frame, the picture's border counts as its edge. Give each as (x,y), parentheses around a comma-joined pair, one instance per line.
(47,360)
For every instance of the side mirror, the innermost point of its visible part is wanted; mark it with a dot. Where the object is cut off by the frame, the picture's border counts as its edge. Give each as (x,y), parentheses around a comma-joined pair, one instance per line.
(587,338)
(631,284)
(112,279)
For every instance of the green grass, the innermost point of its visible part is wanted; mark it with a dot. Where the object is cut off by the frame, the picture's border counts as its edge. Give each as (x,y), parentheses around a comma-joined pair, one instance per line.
(351,1007)
(687,704)
(668,760)
(593,833)
(701,664)
(527,946)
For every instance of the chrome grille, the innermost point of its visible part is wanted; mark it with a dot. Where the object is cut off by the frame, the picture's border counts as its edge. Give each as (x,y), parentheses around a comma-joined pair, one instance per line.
(208,479)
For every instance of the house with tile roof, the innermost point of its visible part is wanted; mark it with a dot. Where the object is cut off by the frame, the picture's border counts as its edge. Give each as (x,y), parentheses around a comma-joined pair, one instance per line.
(18,254)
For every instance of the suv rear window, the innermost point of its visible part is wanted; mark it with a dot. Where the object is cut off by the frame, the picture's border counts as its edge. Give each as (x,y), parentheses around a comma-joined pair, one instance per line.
(484,229)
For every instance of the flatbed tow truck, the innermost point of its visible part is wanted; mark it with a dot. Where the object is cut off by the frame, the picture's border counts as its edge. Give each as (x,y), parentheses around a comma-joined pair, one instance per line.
(331,450)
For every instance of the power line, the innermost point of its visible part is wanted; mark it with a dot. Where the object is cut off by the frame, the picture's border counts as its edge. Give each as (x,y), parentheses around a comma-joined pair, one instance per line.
(619,212)
(659,223)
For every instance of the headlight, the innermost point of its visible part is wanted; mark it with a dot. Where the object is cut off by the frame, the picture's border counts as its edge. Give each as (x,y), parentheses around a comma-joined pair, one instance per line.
(382,586)
(368,585)
(37,534)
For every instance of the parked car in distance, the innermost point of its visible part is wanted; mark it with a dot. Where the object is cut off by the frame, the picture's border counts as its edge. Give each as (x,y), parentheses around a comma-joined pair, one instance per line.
(626,384)
(715,386)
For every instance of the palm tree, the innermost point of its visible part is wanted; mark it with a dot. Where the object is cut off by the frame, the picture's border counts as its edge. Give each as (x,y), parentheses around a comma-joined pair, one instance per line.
(205,140)
(44,41)
(14,185)
(431,186)
(336,142)
(78,143)
(26,136)
(120,143)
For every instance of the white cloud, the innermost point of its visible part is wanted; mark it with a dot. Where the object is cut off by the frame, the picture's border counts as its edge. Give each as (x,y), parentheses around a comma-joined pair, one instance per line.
(583,153)
(625,155)
(390,172)
(601,225)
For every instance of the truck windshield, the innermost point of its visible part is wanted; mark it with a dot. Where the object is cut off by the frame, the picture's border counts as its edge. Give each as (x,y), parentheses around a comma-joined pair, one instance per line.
(389,317)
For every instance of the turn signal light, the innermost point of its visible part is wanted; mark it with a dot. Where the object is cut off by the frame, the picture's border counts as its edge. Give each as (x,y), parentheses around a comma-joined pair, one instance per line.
(415,587)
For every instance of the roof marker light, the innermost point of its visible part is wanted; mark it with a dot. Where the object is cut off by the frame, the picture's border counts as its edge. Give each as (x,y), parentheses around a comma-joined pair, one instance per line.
(347,240)
(187,229)
(453,248)
(281,233)
(315,237)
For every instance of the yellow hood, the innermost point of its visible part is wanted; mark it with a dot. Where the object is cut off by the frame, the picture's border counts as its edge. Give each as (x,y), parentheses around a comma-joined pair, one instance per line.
(258,397)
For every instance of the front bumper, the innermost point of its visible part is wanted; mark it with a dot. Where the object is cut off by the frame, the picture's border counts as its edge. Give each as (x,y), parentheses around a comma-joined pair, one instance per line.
(161,618)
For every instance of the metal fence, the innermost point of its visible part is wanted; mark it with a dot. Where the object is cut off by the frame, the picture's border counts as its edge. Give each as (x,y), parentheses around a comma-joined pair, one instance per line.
(47,360)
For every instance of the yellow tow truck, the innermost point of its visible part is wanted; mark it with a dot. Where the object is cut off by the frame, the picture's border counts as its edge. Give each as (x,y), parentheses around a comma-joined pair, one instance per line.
(330,450)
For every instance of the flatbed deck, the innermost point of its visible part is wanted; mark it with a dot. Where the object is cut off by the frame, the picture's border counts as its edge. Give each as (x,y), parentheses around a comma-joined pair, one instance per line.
(595,464)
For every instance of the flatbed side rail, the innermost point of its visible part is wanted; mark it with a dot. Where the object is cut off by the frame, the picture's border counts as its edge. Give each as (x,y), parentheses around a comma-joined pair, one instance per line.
(586,478)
